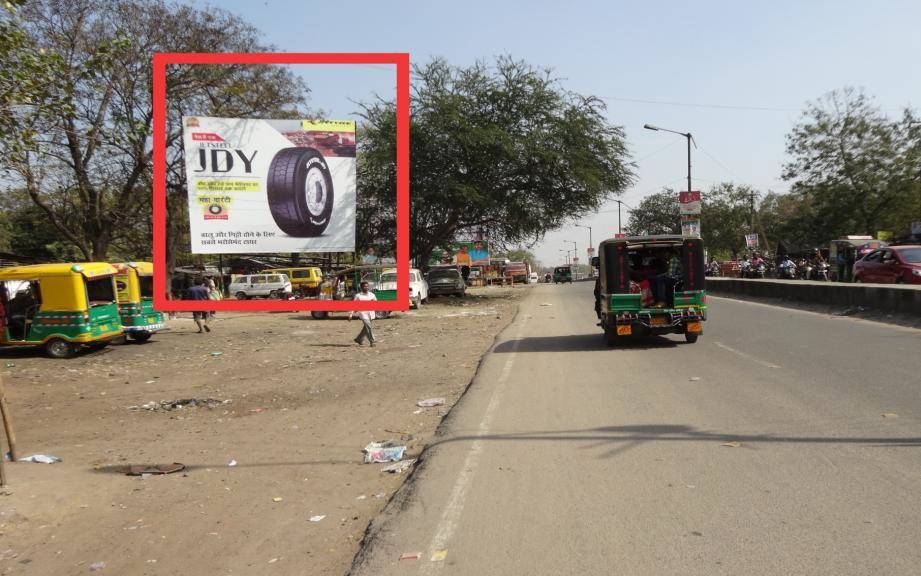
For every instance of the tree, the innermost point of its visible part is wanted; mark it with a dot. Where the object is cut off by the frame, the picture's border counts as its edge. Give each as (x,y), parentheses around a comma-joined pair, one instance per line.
(724,220)
(87,160)
(522,254)
(655,214)
(503,147)
(855,170)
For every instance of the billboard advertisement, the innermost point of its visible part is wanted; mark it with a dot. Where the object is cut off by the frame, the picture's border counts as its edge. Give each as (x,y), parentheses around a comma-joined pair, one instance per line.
(689,202)
(751,241)
(269,186)
(471,253)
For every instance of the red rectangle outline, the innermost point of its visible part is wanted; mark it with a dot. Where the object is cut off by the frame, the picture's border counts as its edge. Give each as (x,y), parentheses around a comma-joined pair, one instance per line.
(161,61)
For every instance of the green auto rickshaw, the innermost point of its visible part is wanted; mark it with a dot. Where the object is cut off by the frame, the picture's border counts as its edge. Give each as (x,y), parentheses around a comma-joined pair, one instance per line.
(60,307)
(562,274)
(134,285)
(651,285)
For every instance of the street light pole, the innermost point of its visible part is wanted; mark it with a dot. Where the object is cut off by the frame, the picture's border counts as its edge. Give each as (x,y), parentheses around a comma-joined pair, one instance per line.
(686,135)
(591,271)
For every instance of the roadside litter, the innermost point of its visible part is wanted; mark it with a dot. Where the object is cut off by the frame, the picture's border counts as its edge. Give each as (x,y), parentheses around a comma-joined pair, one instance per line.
(96,566)
(153,469)
(399,467)
(169,405)
(890,415)
(411,556)
(431,402)
(438,555)
(217,353)
(232,463)
(41,459)
(732,444)
(694,378)
(380,452)
(317,518)
(546,304)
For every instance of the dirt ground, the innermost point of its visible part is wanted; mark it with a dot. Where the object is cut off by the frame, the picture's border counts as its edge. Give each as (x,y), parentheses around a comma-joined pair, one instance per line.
(299,400)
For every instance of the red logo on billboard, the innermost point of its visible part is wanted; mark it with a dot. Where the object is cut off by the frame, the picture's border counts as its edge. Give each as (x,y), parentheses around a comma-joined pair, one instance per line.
(206,137)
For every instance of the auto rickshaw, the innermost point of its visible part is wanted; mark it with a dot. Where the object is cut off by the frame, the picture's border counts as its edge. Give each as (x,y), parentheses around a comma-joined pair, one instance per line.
(60,307)
(134,291)
(562,274)
(637,292)
(345,284)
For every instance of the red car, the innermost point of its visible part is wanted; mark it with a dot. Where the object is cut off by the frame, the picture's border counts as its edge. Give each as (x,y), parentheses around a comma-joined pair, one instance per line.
(893,264)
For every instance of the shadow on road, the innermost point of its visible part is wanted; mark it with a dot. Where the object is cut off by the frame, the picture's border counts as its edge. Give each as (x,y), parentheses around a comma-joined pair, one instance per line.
(623,438)
(581,343)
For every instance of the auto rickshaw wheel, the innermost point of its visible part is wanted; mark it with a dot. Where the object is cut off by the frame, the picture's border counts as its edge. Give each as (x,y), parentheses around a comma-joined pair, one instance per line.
(691,337)
(58,348)
(141,336)
(383,314)
(610,336)
(319,315)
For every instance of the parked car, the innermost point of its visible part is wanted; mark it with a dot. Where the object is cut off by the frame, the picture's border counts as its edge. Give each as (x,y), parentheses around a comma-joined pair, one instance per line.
(893,264)
(533,278)
(306,280)
(418,287)
(260,285)
(446,281)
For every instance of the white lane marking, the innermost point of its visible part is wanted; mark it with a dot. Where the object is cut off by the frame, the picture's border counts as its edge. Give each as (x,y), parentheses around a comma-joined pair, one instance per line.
(455,507)
(747,356)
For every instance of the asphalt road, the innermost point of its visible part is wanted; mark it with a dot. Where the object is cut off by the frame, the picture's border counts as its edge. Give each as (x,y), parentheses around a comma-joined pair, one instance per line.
(568,457)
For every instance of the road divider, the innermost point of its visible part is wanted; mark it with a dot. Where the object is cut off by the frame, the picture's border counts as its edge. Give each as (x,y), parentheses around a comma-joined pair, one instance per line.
(881,297)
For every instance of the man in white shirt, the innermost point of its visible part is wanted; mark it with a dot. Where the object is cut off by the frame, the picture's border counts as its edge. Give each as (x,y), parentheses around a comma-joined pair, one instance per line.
(366,316)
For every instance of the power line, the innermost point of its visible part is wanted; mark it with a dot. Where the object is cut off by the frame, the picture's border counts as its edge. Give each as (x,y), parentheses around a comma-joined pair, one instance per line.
(698,105)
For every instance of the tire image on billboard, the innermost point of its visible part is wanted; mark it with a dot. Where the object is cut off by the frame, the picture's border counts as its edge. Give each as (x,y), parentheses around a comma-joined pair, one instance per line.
(300,192)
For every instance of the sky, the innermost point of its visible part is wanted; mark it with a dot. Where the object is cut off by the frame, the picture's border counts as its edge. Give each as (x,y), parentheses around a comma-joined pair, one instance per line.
(734,74)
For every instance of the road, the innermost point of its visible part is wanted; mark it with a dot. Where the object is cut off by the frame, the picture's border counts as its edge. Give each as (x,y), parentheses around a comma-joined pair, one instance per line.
(782,442)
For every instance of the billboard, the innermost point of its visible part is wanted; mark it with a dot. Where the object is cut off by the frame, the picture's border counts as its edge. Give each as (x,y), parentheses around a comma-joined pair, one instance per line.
(751,241)
(689,202)
(268,186)
(471,253)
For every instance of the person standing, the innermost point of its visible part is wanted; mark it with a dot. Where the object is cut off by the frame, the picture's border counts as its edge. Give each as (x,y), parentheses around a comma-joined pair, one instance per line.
(366,316)
(199,292)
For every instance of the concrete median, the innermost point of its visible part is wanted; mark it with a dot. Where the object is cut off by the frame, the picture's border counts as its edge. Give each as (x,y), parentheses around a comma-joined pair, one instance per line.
(881,297)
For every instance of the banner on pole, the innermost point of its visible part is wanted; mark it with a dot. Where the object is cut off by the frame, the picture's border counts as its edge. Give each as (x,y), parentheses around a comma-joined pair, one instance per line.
(689,202)
(690,226)
(270,186)
(751,240)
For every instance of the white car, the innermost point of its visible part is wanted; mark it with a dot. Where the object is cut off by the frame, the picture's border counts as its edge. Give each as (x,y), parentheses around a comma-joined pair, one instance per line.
(418,287)
(248,286)
(533,278)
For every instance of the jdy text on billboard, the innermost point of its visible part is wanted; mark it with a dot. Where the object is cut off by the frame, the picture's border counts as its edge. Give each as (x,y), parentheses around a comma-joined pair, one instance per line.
(270,185)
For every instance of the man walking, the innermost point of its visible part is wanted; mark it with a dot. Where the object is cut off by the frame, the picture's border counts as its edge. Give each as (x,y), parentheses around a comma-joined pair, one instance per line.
(199,292)
(366,316)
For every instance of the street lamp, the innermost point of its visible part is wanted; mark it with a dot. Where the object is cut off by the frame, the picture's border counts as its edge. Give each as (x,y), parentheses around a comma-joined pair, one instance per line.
(591,271)
(686,135)
(575,250)
(567,251)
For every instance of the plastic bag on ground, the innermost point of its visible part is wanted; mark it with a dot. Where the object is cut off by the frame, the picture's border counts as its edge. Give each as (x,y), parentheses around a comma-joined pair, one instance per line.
(388,451)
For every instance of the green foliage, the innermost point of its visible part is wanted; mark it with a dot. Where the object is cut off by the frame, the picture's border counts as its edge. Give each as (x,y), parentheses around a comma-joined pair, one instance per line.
(521,254)
(656,214)
(501,147)
(854,170)
(79,134)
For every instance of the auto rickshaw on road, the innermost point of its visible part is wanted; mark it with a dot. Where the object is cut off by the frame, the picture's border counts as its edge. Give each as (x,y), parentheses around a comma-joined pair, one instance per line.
(562,274)
(651,285)
(60,307)
(134,291)
(345,284)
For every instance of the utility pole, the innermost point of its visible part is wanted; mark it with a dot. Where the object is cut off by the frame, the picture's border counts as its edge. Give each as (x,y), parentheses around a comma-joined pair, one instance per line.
(686,135)
(751,204)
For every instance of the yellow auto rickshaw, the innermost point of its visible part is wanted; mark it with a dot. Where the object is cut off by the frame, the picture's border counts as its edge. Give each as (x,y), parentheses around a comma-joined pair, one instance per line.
(134,291)
(61,307)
